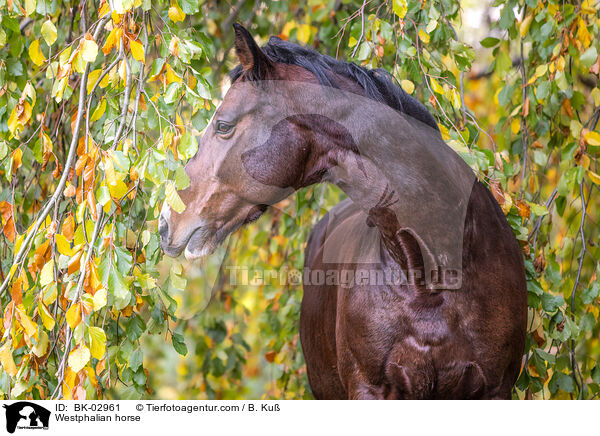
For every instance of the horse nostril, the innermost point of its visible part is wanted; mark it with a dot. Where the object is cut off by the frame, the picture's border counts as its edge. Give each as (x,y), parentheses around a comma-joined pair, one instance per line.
(163,228)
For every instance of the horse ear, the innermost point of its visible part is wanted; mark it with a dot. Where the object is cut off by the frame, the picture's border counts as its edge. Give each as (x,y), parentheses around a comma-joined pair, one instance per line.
(249,53)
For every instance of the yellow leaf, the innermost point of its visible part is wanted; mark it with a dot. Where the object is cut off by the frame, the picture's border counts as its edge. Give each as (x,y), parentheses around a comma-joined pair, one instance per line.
(29,327)
(50,294)
(175,12)
(174,46)
(47,274)
(36,54)
(594,177)
(122,70)
(89,50)
(104,9)
(454,97)
(78,358)
(111,40)
(400,7)
(58,88)
(424,36)
(541,70)
(78,62)
(118,190)
(16,159)
(6,358)
(596,96)
(137,50)
(444,131)
(74,315)
(63,246)
(47,318)
(173,198)
(436,86)
(99,300)
(92,79)
(408,86)
(41,348)
(109,171)
(592,138)
(97,342)
(583,34)
(122,6)
(192,81)
(303,33)
(99,111)
(515,126)
(171,75)
(525,25)
(587,7)
(104,83)
(49,32)
(29,7)
(287,28)
(68,386)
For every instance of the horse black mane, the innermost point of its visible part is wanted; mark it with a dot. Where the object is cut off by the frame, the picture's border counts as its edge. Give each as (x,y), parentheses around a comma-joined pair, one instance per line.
(377,83)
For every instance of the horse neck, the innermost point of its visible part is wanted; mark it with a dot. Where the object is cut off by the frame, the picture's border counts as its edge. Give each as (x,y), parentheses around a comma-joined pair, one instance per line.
(404,178)
(397,169)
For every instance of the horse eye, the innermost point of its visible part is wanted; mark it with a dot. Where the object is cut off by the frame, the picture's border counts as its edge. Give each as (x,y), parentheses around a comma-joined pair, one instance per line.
(223,127)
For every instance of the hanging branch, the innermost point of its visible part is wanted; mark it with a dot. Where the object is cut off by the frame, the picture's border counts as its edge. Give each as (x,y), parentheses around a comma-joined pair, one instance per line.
(58,193)
(574,367)
(127,94)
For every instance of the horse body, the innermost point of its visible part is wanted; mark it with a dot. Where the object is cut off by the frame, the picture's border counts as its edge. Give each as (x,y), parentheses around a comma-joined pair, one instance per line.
(392,342)
(415,210)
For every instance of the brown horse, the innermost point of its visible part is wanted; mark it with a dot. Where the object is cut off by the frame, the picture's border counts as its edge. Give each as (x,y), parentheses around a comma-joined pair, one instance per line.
(414,287)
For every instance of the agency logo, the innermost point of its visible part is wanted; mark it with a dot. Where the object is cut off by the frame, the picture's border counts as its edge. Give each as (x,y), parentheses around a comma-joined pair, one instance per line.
(26,415)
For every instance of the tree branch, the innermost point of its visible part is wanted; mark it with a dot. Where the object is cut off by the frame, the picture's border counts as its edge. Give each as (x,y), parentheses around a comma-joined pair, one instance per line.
(63,180)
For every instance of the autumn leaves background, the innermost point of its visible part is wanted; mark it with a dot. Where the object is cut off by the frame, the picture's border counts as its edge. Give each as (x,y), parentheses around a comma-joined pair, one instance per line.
(100,106)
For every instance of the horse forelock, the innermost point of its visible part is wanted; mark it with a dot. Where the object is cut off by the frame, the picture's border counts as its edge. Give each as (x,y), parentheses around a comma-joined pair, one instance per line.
(377,84)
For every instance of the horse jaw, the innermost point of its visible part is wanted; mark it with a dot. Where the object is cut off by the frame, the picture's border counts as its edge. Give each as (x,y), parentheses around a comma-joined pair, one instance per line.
(201,243)
(195,254)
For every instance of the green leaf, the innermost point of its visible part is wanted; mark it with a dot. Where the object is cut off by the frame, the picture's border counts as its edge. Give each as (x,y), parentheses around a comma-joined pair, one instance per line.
(590,293)
(136,359)
(551,303)
(119,289)
(489,42)
(139,378)
(135,328)
(538,209)
(189,7)
(589,57)
(363,51)
(179,344)
(596,373)
(182,181)
(187,147)
(503,63)
(546,356)
(3,149)
(171,95)
(49,32)
(561,381)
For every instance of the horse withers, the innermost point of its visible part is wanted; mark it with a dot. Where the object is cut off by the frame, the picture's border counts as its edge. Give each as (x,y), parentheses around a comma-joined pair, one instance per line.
(414,287)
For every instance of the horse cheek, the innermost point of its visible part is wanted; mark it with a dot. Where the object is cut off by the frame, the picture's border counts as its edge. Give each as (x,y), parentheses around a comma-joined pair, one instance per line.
(279,162)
